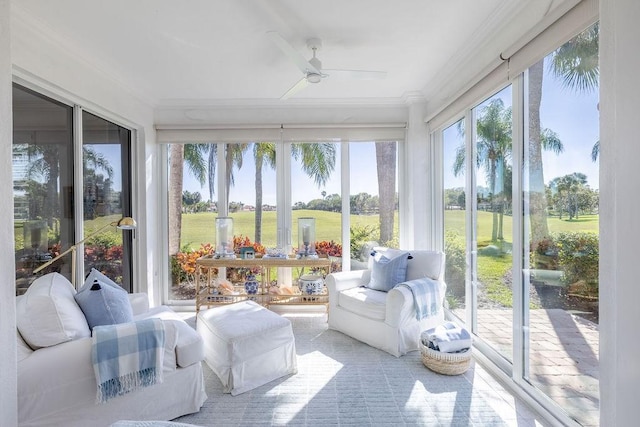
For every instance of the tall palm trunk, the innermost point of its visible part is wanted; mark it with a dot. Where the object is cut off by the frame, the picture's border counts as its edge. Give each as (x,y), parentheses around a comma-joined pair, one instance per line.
(537,198)
(229,163)
(494,211)
(176,165)
(386,165)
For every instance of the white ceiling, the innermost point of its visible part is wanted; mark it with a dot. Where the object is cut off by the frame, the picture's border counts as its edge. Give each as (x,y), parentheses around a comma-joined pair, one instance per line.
(198,52)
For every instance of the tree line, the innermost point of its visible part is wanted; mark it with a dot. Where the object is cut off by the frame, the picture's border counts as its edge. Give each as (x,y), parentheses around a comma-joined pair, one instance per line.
(360,204)
(567,197)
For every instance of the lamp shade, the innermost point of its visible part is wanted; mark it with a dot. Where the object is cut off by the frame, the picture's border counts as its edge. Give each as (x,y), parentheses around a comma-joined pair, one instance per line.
(127,223)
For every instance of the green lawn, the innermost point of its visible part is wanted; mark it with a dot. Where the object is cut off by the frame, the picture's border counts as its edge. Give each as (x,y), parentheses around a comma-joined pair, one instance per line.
(454,220)
(199,228)
(491,269)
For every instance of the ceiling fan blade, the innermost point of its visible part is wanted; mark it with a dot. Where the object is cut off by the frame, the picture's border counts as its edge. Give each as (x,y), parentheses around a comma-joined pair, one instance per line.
(302,83)
(357,74)
(293,54)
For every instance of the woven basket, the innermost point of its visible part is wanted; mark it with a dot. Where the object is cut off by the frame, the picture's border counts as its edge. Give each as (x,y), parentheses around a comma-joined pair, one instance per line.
(445,363)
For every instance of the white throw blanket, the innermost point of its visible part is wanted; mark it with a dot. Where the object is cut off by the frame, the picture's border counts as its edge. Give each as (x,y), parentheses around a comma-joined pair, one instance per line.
(447,338)
(127,356)
(426,296)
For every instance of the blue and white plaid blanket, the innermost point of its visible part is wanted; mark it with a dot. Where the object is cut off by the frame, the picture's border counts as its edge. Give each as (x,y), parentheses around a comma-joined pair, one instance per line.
(127,356)
(426,296)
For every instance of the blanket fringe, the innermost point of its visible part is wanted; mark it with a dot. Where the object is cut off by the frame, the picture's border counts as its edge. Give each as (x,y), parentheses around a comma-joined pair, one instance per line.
(127,383)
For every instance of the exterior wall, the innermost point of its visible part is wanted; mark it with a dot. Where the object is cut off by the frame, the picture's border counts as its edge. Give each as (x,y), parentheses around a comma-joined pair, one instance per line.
(619,207)
(416,182)
(8,374)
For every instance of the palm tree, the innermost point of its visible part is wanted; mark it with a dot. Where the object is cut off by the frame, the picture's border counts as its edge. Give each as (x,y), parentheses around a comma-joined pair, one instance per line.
(567,188)
(576,64)
(493,148)
(93,161)
(46,166)
(595,151)
(262,152)
(234,154)
(179,154)
(317,161)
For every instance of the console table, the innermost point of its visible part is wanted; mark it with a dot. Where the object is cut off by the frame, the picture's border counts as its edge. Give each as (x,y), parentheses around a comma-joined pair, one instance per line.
(208,294)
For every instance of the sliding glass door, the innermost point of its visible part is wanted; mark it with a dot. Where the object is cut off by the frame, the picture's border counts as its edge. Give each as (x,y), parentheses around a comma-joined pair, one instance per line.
(43,184)
(520,227)
(560,195)
(492,289)
(106,162)
(48,173)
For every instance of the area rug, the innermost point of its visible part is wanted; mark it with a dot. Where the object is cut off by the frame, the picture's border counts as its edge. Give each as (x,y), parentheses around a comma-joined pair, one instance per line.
(341,381)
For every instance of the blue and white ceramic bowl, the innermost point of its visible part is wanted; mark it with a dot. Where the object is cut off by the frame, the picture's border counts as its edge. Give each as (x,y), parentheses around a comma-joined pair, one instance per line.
(311,284)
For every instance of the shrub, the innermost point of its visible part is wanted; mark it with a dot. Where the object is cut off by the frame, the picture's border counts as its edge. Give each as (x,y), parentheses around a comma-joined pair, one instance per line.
(187,260)
(244,241)
(360,235)
(105,258)
(578,257)
(329,248)
(455,264)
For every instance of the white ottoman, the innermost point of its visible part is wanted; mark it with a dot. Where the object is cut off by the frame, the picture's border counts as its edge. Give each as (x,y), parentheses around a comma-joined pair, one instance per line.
(246,345)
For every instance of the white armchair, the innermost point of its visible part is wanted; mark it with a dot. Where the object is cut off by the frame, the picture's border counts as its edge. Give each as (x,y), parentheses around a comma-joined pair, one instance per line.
(385,320)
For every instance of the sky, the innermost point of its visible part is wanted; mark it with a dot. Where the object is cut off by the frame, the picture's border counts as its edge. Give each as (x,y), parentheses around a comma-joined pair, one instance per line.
(304,189)
(572,115)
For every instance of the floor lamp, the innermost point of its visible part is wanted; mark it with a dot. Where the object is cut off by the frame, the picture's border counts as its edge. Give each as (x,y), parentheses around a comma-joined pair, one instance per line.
(125,223)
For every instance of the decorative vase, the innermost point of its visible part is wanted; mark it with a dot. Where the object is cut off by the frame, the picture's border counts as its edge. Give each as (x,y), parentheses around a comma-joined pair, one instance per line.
(311,284)
(251,285)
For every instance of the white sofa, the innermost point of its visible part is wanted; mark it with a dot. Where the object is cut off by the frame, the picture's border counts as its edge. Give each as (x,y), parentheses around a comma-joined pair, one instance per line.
(385,320)
(57,384)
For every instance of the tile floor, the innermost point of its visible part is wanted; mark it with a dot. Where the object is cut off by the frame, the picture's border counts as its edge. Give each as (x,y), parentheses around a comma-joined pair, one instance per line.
(342,382)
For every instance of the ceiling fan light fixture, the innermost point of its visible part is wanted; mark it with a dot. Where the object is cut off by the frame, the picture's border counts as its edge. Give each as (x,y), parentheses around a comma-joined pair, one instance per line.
(314,77)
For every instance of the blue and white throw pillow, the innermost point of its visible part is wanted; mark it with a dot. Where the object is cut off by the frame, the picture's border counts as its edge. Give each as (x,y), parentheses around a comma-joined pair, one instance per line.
(388,270)
(103,302)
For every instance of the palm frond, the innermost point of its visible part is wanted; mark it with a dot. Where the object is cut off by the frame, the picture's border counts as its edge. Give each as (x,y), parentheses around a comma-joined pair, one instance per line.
(576,62)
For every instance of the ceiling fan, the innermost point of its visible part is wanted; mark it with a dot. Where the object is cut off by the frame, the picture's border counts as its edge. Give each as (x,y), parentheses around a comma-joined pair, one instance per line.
(312,69)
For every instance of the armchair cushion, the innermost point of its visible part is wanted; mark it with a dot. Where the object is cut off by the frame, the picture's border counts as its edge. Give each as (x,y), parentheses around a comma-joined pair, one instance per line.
(47,314)
(365,302)
(388,269)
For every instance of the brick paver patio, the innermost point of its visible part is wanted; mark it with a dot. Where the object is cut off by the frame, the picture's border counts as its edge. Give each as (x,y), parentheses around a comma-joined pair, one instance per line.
(563,356)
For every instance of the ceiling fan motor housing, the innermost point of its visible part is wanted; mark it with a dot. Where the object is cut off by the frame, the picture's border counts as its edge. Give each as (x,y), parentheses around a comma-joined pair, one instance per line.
(314,77)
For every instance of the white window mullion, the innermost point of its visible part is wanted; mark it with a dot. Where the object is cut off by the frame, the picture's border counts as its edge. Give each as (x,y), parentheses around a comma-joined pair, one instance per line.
(283,209)
(471,207)
(78,194)
(520,297)
(345,189)
(437,187)
(223,197)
